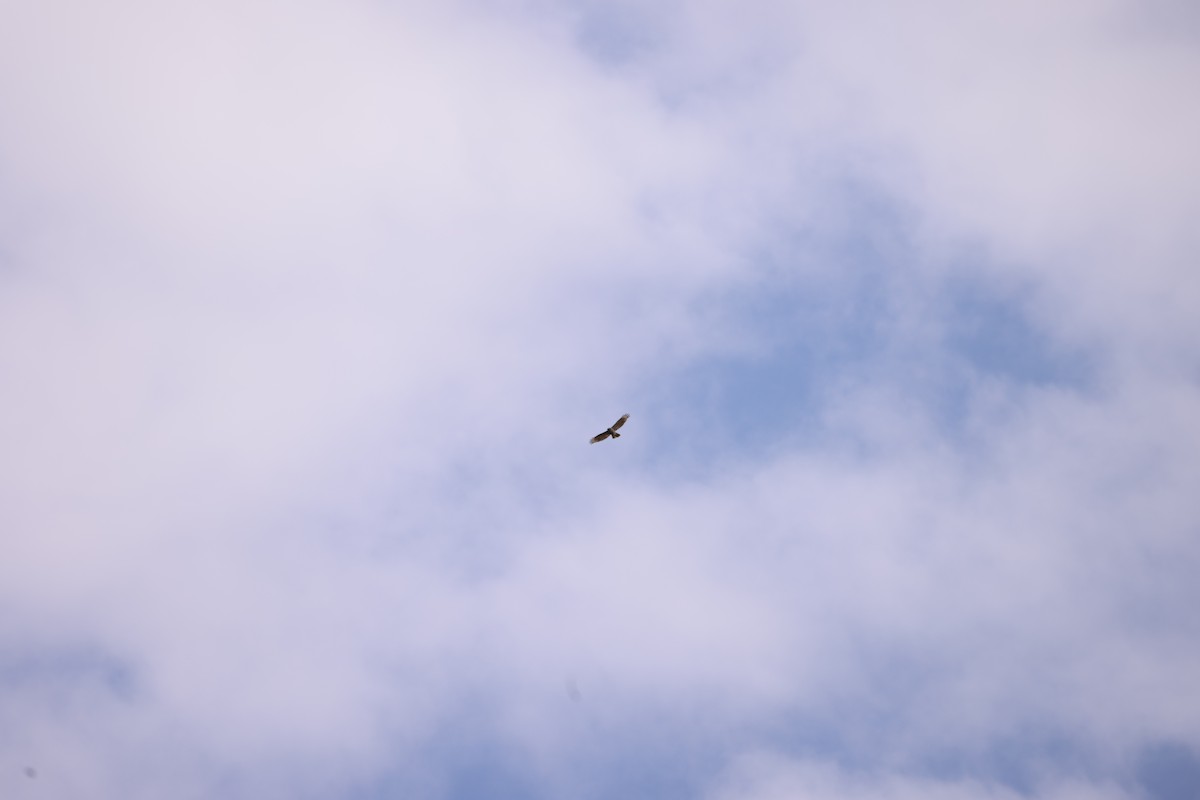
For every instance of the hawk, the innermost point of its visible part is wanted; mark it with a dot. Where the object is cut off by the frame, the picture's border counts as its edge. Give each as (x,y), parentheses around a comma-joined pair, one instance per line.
(612,431)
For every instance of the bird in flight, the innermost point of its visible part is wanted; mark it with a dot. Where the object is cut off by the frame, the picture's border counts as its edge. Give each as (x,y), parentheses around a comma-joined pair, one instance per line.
(612,431)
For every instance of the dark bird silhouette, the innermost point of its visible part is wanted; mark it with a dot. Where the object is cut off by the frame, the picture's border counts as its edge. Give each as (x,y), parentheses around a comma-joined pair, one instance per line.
(612,431)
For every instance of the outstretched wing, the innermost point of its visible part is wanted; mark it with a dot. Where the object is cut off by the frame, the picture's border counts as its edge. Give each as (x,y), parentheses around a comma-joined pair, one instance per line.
(620,422)
(600,437)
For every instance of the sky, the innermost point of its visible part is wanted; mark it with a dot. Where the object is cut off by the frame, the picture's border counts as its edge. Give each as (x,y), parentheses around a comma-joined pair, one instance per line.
(308,311)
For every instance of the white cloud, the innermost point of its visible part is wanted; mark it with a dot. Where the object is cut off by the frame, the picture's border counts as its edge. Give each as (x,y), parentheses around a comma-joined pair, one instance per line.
(765,777)
(307,312)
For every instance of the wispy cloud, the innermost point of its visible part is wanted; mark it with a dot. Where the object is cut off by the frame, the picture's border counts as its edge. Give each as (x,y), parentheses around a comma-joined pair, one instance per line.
(306,314)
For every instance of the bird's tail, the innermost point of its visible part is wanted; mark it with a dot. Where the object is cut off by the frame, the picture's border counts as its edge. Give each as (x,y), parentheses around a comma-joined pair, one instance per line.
(616,435)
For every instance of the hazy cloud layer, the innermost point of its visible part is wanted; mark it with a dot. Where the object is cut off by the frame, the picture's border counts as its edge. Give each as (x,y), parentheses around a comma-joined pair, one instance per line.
(307,313)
